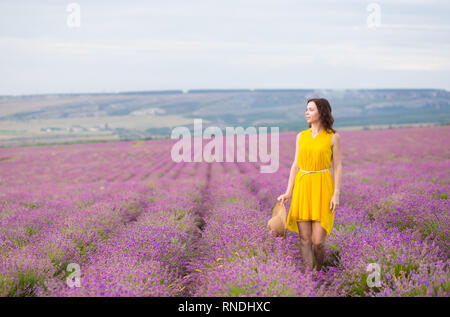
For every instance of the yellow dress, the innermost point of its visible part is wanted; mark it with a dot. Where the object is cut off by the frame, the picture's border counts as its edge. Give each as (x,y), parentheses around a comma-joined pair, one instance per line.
(312,192)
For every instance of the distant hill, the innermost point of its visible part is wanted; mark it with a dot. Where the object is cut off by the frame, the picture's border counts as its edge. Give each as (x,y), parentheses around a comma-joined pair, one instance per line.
(36,119)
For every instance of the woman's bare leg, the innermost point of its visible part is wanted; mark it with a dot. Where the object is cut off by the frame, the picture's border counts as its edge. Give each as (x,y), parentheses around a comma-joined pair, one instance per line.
(305,230)
(319,235)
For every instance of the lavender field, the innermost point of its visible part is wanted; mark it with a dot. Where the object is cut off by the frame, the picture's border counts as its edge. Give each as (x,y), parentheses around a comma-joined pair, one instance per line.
(139,224)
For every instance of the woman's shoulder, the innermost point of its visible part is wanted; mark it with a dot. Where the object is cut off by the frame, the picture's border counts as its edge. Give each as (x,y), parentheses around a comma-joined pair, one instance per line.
(335,137)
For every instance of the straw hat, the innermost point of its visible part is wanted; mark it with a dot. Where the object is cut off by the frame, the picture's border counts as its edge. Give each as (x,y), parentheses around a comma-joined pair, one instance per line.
(277,223)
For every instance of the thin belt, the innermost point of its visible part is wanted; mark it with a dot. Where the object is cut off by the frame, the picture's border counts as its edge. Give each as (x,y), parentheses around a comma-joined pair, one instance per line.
(306,172)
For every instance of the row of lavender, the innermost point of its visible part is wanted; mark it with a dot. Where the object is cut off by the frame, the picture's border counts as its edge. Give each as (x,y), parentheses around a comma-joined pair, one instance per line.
(145,258)
(128,237)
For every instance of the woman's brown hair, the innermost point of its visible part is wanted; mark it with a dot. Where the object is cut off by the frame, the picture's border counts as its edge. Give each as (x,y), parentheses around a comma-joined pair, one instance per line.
(324,108)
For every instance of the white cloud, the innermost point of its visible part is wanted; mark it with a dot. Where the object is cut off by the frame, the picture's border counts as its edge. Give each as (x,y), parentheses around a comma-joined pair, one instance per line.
(273,55)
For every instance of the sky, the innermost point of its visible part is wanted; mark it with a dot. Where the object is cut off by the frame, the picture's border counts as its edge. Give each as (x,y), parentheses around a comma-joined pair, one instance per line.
(159,45)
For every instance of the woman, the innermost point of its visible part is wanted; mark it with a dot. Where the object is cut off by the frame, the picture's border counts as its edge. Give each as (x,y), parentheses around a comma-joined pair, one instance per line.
(315,195)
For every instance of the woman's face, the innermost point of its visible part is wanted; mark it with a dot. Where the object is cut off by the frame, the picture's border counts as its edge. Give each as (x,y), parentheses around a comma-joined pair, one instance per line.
(312,114)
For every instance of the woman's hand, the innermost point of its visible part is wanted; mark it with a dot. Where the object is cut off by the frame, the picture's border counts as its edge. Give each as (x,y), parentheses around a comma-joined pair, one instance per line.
(285,197)
(334,203)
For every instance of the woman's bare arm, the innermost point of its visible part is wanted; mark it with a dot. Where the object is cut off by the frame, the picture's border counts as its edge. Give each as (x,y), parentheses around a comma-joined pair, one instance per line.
(294,168)
(337,163)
